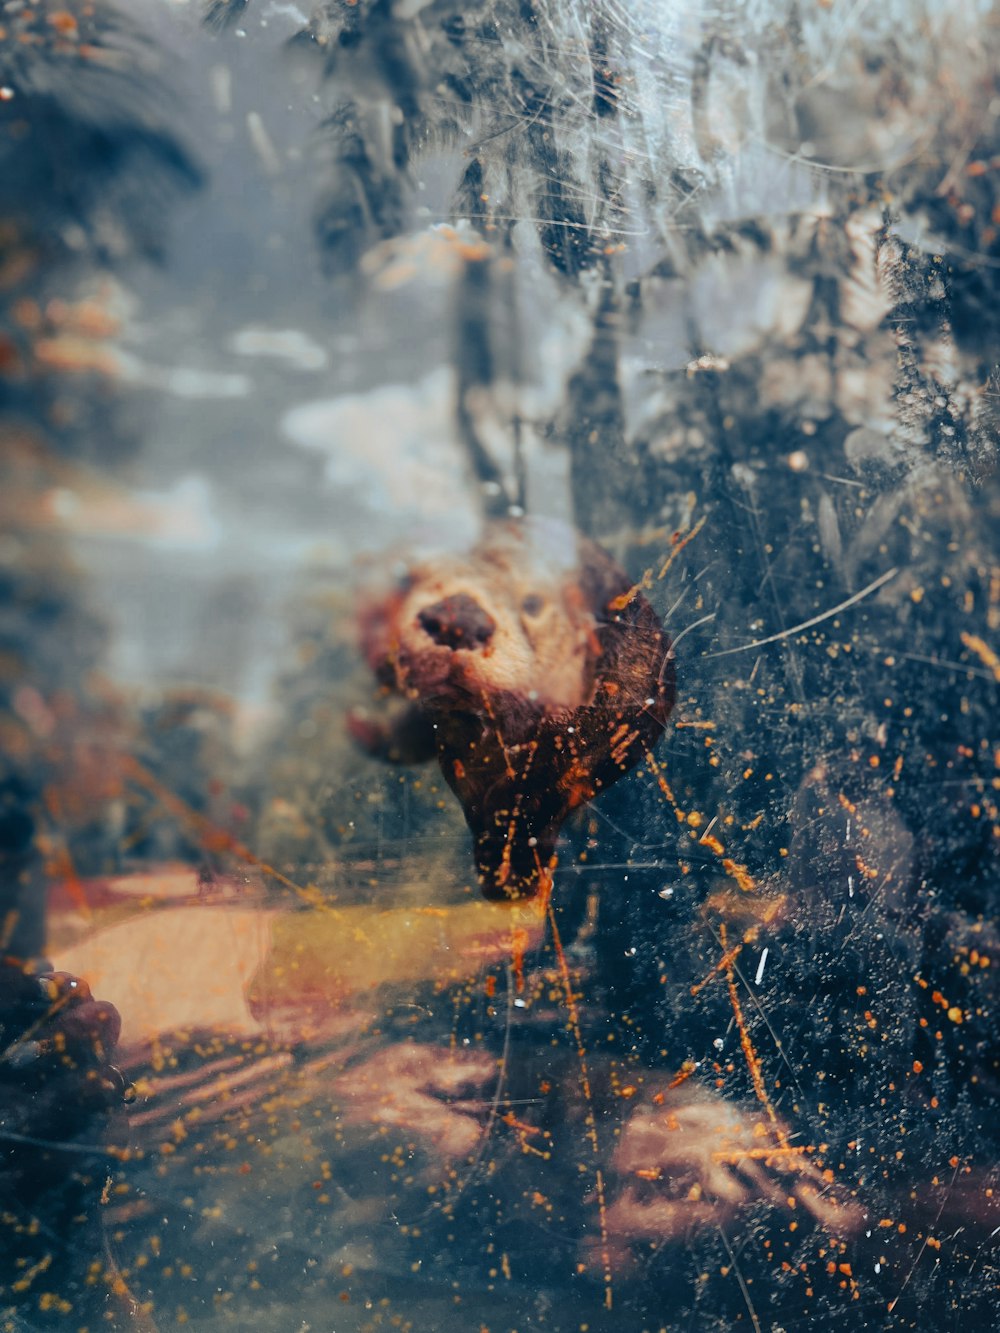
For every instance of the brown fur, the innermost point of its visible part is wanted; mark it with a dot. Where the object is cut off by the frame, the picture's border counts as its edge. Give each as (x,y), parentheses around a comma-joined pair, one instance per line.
(544,677)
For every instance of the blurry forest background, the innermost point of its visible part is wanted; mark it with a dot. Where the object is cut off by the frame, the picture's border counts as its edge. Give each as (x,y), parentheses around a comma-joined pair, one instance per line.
(289,294)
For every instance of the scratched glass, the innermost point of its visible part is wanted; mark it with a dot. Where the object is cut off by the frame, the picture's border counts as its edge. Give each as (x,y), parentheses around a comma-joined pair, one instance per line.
(498,665)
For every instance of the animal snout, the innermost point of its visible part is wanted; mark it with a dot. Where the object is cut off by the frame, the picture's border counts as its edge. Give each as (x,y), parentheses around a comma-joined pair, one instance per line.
(457,622)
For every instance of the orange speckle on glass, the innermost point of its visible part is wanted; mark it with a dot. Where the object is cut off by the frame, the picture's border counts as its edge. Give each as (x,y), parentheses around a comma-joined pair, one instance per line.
(63,22)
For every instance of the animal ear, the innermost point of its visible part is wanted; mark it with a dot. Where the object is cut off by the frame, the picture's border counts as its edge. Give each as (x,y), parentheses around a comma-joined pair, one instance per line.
(377,634)
(397,733)
(604,585)
(635,661)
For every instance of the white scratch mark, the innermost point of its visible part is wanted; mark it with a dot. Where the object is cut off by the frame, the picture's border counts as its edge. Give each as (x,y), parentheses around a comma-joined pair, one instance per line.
(703,621)
(760,967)
(816,620)
(263,145)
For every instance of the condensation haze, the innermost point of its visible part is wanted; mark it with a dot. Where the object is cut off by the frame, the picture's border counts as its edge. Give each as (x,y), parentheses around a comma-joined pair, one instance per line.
(295,298)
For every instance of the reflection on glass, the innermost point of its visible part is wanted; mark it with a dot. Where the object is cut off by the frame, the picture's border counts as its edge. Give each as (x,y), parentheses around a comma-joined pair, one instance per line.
(592,413)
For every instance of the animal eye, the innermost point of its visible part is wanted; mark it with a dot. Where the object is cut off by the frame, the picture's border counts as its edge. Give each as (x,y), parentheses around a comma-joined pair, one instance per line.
(532,604)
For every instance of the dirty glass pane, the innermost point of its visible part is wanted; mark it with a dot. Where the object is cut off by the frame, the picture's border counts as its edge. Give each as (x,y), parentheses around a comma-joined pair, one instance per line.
(499,665)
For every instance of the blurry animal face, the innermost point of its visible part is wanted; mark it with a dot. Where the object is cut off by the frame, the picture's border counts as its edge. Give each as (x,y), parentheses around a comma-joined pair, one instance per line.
(501,621)
(543,675)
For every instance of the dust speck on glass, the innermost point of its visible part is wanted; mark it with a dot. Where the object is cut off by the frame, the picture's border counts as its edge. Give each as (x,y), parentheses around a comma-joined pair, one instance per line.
(499,665)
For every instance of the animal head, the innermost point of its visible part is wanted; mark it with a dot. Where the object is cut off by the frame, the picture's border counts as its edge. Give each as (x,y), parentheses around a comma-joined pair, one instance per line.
(544,677)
